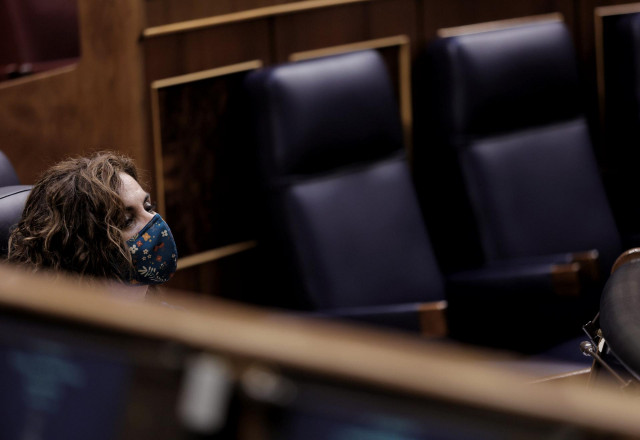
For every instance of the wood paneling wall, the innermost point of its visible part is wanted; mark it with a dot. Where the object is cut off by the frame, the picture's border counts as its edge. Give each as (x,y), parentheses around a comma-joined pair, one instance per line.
(585,44)
(96,104)
(461,12)
(172,11)
(105,101)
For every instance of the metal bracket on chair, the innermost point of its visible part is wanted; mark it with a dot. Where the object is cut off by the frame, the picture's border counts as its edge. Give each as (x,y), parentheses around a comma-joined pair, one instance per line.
(588,349)
(592,329)
(594,348)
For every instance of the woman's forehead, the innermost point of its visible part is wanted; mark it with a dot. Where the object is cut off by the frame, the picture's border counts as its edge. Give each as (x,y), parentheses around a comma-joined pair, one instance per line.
(130,190)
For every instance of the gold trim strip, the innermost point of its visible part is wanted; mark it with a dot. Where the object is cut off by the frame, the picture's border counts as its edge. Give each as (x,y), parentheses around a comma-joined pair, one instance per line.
(235,17)
(404,66)
(155,113)
(599,48)
(598,17)
(630,8)
(379,43)
(215,254)
(38,76)
(157,151)
(205,74)
(495,25)
(406,115)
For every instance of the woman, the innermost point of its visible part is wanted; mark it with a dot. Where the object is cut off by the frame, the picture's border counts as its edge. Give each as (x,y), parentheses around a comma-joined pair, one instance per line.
(91,217)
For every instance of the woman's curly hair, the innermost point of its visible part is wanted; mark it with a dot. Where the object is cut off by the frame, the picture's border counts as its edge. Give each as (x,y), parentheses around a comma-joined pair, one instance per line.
(74,218)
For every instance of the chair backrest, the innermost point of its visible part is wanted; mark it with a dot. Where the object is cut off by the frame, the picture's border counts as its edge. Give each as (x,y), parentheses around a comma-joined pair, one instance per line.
(8,175)
(507,103)
(332,159)
(12,201)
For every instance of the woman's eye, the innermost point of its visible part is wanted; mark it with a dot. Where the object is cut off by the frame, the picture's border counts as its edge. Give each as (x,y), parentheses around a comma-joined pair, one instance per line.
(128,222)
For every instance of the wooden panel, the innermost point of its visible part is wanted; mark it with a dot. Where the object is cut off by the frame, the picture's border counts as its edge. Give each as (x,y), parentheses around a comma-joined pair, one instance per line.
(201,159)
(202,173)
(320,28)
(248,339)
(161,12)
(438,14)
(586,45)
(177,54)
(97,105)
(245,15)
(606,17)
(394,17)
(586,25)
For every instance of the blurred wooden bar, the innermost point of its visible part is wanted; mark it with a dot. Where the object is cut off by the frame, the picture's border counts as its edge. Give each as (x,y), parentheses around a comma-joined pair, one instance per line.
(340,358)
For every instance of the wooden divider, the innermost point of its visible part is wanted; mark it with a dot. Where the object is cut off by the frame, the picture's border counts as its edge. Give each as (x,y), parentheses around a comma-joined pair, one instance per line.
(372,359)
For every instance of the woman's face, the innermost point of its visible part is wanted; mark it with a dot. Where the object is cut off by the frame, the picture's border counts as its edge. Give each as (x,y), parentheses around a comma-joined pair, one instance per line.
(139,210)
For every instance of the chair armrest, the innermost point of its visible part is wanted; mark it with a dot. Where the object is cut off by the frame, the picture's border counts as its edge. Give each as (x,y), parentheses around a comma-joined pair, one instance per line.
(588,260)
(562,279)
(565,280)
(428,318)
(526,308)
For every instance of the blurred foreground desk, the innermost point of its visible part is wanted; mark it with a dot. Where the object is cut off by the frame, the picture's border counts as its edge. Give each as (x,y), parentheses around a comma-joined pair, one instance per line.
(79,363)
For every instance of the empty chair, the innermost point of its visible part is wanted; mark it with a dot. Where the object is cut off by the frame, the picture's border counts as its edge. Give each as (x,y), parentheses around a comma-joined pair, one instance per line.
(343,212)
(12,201)
(500,113)
(506,103)
(504,166)
(345,229)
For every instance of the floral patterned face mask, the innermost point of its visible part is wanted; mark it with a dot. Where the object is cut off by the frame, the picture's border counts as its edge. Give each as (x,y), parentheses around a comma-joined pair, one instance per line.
(153,253)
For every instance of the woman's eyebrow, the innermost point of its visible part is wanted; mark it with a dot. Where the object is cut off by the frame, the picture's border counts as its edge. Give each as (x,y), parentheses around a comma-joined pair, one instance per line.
(147,198)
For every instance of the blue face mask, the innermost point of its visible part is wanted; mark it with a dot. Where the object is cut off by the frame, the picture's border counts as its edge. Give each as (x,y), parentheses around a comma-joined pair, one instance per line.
(153,253)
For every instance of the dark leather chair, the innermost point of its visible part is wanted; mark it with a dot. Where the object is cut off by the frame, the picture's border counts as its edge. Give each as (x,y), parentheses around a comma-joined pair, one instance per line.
(344,218)
(8,175)
(12,201)
(505,167)
(506,102)
(621,116)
